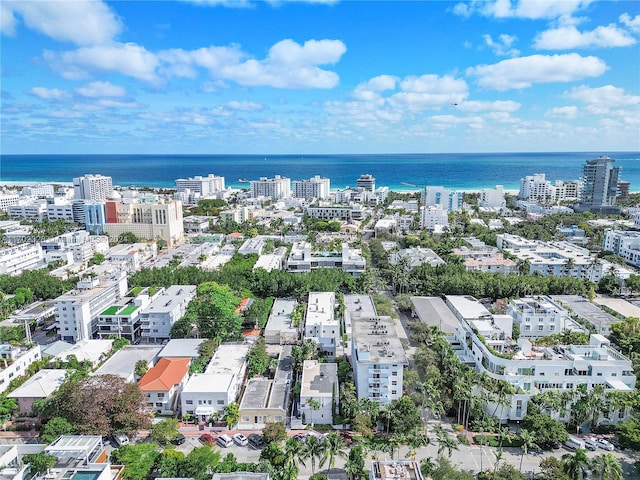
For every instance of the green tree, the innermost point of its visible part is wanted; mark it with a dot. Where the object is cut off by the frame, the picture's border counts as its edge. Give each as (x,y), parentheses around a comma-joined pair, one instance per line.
(258,358)
(164,431)
(54,428)
(231,414)
(552,468)
(7,407)
(138,459)
(546,430)
(354,466)
(128,237)
(576,465)
(39,463)
(200,463)
(313,450)
(528,442)
(444,470)
(402,415)
(334,446)
(274,432)
(169,462)
(607,467)
(141,368)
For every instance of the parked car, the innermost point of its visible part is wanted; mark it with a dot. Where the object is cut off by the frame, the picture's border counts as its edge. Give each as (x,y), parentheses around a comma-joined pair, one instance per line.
(255,440)
(225,440)
(574,443)
(605,444)
(207,439)
(240,439)
(590,444)
(121,439)
(179,440)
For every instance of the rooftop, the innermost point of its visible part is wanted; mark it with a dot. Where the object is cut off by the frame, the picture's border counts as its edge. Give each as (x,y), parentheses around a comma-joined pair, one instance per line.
(377,341)
(182,347)
(165,374)
(395,469)
(228,359)
(123,362)
(280,317)
(434,312)
(320,308)
(41,385)
(318,379)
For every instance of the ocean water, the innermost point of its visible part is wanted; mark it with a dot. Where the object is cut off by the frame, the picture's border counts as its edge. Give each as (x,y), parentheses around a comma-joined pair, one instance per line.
(397,171)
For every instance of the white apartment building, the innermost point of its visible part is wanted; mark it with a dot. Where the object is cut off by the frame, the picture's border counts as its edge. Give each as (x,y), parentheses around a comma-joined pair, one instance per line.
(163,383)
(77,311)
(272,261)
(486,259)
(252,246)
(15,260)
(92,187)
(434,218)
(204,186)
(302,259)
(14,362)
(415,256)
(219,385)
(492,197)
(316,187)
(450,200)
(165,310)
(366,182)
(275,188)
(42,190)
(532,370)
(318,390)
(29,208)
(8,199)
(280,328)
(536,187)
(541,316)
(624,243)
(344,214)
(377,358)
(60,209)
(148,221)
(321,323)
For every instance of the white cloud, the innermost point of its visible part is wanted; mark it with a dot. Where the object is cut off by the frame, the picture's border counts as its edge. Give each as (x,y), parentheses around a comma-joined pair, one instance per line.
(429,91)
(371,90)
(290,65)
(530,9)
(562,112)
(632,24)
(496,106)
(525,71)
(128,59)
(83,22)
(502,46)
(49,93)
(7,20)
(601,99)
(570,37)
(109,103)
(244,106)
(101,89)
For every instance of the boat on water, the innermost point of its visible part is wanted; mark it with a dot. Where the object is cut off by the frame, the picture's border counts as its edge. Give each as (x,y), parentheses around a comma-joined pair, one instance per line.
(243,180)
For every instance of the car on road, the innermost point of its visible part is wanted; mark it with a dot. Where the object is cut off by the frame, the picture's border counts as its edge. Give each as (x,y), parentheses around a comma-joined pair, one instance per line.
(590,444)
(179,440)
(225,440)
(207,439)
(240,439)
(605,444)
(255,440)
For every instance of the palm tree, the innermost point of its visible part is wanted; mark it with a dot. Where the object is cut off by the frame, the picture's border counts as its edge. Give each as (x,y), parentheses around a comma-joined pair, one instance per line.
(313,450)
(293,451)
(498,453)
(576,466)
(334,445)
(445,442)
(504,433)
(528,441)
(607,467)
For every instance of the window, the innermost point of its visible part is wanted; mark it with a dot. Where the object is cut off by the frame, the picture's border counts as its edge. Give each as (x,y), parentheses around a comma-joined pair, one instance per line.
(527,328)
(220,402)
(245,419)
(394,382)
(160,395)
(394,392)
(158,404)
(189,402)
(552,328)
(278,418)
(394,374)
(540,328)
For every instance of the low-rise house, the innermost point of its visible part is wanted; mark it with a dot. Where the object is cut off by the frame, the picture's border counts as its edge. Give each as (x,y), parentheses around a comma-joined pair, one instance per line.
(415,256)
(321,324)
(219,385)
(280,328)
(166,309)
(14,362)
(182,348)
(163,383)
(123,363)
(319,390)
(80,457)
(38,387)
(93,351)
(303,260)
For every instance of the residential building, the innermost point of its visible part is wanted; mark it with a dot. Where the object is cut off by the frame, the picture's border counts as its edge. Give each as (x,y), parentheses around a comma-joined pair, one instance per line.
(275,188)
(60,209)
(280,328)
(131,256)
(355,307)
(92,351)
(38,387)
(366,182)
(264,400)
(219,385)
(163,383)
(585,310)
(121,321)
(321,323)
(252,246)
(623,190)
(413,257)
(301,259)
(434,218)
(8,199)
(15,260)
(29,209)
(42,190)
(80,457)
(625,243)
(14,362)
(166,309)
(485,259)
(450,200)
(536,188)
(378,359)
(318,391)
(316,187)
(492,197)
(484,341)
(272,261)
(148,221)
(92,187)
(600,185)
(123,363)
(332,212)
(395,469)
(435,313)
(182,348)
(77,311)
(203,186)
(540,317)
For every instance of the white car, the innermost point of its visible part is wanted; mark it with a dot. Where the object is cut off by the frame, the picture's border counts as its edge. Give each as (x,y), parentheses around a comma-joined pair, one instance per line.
(605,444)
(240,439)
(590,444)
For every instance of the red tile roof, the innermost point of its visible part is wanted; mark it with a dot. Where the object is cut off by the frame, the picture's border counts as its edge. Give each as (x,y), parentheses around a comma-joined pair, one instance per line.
(165,374)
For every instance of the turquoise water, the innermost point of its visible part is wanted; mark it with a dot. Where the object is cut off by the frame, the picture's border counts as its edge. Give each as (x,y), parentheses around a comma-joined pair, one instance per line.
(397,171)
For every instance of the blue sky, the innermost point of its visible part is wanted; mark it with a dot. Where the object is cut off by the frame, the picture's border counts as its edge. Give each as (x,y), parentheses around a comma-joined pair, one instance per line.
(215,76)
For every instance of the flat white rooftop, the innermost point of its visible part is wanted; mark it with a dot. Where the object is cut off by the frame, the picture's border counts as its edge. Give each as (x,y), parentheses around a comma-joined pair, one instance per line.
(320,309)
